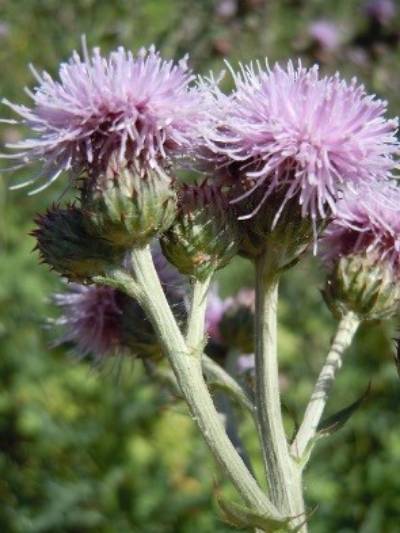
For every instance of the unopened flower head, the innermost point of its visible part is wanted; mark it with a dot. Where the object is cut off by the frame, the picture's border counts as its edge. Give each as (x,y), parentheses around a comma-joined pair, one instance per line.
(141,107)
(361,249)
(229,321)
(367,222)
(292,132)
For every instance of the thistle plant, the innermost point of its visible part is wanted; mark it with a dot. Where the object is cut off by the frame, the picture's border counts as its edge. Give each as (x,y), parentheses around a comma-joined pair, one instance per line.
(294,163)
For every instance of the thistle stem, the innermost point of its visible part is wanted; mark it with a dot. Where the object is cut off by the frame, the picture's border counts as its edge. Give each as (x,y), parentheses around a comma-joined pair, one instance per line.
(284,477)
(198,305)
(344,335)
(219,377)
(146,288)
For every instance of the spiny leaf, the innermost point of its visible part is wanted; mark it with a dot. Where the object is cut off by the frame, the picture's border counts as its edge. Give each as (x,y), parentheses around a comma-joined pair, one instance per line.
(243,517)
(337,421)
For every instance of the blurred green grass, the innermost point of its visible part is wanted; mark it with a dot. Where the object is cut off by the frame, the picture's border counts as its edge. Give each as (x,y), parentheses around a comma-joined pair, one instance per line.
(88,451)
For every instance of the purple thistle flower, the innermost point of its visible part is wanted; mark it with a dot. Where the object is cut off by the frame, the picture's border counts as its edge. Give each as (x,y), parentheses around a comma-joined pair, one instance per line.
(246,363)
(216,307)
(325,34)
(141,108)
(381,11)
(290,131)
(367,222)
(91,319)
(101,321)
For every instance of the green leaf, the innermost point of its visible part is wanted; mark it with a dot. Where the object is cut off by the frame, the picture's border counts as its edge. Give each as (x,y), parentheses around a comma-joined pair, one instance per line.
(336,421)
(243,517)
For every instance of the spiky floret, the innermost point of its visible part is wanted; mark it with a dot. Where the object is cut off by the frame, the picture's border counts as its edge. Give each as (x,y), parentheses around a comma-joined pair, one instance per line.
(367,221)
(291,131)
(141,107)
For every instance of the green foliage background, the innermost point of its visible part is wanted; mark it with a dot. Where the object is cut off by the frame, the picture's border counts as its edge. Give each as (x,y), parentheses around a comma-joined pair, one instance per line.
(83,451)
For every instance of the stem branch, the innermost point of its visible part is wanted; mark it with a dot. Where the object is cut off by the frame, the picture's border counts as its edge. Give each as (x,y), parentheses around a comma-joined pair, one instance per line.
(147,289)
(344,335)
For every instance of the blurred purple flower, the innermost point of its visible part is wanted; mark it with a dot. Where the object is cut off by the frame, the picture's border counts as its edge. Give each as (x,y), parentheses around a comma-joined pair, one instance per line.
(367,222)
(91,319)
(325,34)
(4,30)
(140,107)
(288,130)
(226,8)
(246,363)
(102,321)
(216,307)
(381,11)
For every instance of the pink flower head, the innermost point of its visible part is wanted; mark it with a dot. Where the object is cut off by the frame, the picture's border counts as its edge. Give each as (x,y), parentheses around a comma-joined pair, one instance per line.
(101,321)
(216,307)
(291,131)
(141,108)
(367,222)
(325,34)
(382,11)
(91,319)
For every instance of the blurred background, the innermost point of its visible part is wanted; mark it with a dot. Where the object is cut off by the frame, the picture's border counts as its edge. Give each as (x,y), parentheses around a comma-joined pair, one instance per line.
(83,450)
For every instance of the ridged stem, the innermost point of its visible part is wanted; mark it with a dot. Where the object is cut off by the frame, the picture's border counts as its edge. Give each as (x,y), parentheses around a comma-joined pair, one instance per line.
(186,365)
(284,476)
(344,335)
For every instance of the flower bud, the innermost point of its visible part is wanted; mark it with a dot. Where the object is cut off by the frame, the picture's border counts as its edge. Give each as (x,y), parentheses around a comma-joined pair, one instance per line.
(363,285)
(237,323)
(278,229)
(65,245)
(204,236)
(126,208)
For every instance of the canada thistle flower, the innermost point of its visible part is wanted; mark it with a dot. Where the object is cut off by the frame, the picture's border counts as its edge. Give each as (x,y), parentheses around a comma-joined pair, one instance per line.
(367,221)
(380,11)
(91,319)
(141,108)
(291,133)
(102,321)
(215,309)
(229,321)
(361,249)
(325,34)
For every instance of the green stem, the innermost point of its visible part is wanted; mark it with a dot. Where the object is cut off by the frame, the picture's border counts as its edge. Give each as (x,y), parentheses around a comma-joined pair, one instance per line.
(187,368)
(198,305)
(284,477)
(219,377)
(344,335)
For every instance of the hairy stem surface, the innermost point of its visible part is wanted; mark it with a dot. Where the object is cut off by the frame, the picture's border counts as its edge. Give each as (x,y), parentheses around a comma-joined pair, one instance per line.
(344,335)
(146,288)
(284,477)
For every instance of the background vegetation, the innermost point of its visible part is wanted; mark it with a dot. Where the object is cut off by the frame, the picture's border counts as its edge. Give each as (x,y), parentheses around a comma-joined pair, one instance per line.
(89,451)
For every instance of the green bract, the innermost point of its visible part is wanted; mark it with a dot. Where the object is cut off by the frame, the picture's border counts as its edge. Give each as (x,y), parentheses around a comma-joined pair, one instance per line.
(128,209)
(204,236)
(364,286)
(66,246)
